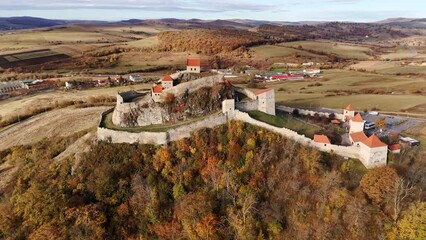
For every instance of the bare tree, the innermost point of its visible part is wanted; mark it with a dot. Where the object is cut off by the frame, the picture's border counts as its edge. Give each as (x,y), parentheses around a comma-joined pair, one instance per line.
(401,191)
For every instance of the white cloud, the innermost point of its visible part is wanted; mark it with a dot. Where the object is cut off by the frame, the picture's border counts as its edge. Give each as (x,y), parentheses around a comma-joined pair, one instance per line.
(148,5)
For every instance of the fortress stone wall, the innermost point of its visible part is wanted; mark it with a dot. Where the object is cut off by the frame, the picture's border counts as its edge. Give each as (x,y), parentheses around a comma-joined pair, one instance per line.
(159,138)
(311,113)
(154,114)
(162,138)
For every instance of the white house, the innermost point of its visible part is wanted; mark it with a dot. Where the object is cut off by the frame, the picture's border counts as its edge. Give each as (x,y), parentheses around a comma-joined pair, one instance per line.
(356,124)
(156,92)
(373,152)
(348,113)
(266,101)
(167,82)
(193,65)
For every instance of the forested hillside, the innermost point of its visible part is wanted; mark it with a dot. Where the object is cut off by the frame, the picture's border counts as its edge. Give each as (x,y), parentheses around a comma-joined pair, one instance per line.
(332,31)
(209,41)
(235,181)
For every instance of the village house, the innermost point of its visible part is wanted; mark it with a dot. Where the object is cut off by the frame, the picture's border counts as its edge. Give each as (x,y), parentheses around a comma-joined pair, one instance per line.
(167,82)
(266,100)
(321,139)
(193,65)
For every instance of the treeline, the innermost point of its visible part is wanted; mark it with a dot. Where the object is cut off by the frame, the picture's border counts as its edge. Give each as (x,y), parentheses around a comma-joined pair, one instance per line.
(332,31)
(235,181)
(209,41)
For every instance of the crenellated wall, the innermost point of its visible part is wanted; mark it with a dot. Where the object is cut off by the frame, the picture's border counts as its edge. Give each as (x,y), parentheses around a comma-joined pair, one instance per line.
(162,138)
(309,112)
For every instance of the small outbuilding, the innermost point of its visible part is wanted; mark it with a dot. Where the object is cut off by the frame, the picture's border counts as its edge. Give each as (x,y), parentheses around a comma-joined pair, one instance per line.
(321,139)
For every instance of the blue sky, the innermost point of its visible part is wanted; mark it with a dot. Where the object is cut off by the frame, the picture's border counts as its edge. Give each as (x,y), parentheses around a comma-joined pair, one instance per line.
(276,10)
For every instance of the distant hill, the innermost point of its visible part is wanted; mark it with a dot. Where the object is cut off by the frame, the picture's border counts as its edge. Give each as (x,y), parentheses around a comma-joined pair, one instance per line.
(18,23)
(405,22)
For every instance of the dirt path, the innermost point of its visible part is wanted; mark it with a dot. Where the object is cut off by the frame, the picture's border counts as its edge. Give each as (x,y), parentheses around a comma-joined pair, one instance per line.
(62,122)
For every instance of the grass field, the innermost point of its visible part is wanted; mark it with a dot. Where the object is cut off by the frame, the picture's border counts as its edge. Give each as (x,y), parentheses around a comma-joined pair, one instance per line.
(389,67)
(283,120)
(339,49)
(306,94)
(14,105)
(63,122)
(272,52)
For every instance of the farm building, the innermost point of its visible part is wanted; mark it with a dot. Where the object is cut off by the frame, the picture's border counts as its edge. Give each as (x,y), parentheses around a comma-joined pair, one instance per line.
(135,78)
(285,77)
(266,100)
(312,71)
(6,87)
(193,65)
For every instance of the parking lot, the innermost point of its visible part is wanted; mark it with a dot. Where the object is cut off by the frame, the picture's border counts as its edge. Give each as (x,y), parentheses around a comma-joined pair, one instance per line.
(394,123)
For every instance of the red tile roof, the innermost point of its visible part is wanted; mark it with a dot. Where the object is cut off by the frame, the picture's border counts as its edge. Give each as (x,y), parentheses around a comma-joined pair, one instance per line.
(393,134)
(349,108)
(395,147)
(157,89)
(193,62)
(335,121)
(358,136)
(373,142)
(321,139)
(263,91)
(358,118)
(167,78)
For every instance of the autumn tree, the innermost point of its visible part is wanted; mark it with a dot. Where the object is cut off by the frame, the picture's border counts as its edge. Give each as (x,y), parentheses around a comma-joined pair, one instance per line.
(413,222)
(378,182)
(381,123)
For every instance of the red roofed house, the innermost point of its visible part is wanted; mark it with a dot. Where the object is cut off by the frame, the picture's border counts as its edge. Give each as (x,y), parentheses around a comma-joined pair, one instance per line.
(167,82)
(357,137)
(356,124)
(348,113)
(266,101)
(395,148)
(156,92)
(321,139)
(193,65)
(373,152)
